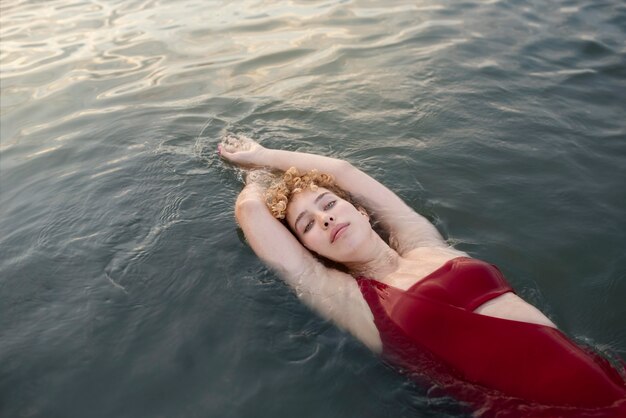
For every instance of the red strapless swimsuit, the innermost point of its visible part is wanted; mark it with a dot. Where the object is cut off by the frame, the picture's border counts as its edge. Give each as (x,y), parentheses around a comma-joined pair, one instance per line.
(499,367)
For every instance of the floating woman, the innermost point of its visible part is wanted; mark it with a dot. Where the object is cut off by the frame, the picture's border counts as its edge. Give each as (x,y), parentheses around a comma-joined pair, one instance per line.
(449,320)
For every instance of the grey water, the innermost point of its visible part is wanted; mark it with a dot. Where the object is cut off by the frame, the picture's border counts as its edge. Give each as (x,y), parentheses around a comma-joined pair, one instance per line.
(126,288)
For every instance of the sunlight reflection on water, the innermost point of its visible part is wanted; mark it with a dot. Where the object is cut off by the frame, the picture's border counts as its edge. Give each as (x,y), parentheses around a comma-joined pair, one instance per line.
(123,274)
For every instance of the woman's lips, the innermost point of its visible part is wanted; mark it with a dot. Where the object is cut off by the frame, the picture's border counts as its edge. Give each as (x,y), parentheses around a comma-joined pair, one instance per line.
(337,231)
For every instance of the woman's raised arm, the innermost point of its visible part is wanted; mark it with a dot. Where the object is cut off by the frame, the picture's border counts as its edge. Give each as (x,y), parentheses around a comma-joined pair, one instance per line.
(333,294)
(408,229)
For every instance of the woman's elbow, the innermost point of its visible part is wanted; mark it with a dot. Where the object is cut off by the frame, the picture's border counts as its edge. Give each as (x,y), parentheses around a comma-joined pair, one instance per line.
(244,207)
(248,205)
(343,168)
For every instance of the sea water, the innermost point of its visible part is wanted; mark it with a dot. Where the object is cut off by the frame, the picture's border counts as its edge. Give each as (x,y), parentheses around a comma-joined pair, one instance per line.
(126,288)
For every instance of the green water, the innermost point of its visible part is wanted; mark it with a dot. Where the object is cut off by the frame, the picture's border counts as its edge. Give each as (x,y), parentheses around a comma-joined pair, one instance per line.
(126,289)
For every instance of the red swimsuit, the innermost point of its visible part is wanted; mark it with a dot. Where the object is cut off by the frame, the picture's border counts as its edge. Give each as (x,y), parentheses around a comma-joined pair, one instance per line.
(499,367)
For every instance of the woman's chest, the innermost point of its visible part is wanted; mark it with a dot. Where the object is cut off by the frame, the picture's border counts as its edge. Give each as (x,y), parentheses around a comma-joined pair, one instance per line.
(418,265)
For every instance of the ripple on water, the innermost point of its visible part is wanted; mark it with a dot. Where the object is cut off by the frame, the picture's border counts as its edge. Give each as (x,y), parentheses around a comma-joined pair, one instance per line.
(121,262)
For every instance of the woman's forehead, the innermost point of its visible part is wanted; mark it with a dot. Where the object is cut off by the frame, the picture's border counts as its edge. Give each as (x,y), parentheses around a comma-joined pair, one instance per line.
(308,196)
(299,201)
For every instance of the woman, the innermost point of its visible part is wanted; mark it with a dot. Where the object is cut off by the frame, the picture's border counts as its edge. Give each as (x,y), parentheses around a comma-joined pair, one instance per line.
(447,319)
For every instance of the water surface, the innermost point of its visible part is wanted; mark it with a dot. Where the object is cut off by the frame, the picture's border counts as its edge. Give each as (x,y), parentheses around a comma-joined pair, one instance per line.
(126,289)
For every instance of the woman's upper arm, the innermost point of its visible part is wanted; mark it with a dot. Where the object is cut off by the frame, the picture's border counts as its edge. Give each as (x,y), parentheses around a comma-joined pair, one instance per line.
(282,252)
(270,239)
(407,228)
(333,294)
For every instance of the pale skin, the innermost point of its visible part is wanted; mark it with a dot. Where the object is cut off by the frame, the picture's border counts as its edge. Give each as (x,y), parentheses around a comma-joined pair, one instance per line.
(337,230)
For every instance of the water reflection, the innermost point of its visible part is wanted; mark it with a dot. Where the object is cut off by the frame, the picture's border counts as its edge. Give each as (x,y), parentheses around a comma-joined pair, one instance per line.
(120,261)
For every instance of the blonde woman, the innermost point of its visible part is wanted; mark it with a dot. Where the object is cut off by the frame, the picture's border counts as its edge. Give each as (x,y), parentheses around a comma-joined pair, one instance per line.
(446,318)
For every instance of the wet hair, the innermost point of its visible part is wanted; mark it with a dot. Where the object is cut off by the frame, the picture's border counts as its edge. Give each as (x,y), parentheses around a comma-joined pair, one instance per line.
(277,195)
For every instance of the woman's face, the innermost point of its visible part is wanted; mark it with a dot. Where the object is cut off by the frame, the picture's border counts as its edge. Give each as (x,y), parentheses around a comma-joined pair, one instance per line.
(328,225)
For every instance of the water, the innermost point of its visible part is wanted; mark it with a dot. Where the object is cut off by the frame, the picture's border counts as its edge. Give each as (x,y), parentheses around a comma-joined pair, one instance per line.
(126,289)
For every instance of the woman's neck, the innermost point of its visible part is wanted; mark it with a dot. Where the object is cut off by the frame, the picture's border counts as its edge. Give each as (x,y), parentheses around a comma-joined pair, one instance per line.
(380,261)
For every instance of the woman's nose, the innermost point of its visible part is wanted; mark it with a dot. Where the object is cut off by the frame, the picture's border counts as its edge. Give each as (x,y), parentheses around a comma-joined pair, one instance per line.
(327,220)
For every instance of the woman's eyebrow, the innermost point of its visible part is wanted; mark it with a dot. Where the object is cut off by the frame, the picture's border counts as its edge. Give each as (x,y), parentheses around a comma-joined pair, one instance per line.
(317,199)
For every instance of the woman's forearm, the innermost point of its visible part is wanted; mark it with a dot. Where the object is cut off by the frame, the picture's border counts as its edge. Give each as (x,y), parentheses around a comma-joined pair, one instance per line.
(283,160)
(245,152)
(369,192)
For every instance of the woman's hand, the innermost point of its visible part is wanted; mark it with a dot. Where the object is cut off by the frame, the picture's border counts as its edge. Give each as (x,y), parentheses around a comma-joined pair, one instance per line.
(241,150)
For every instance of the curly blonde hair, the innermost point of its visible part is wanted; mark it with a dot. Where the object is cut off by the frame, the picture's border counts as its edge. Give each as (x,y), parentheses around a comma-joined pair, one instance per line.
(278,194)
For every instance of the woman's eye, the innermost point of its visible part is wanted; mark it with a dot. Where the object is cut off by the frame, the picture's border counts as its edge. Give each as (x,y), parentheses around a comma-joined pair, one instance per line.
(308,226)
(330,204)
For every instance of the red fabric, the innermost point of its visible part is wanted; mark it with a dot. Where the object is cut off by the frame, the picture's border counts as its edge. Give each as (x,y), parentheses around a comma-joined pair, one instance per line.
(499,367)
